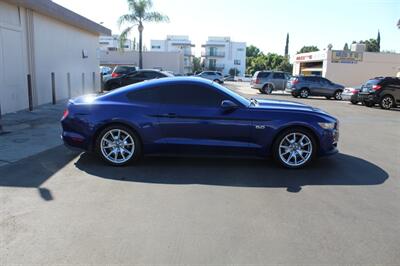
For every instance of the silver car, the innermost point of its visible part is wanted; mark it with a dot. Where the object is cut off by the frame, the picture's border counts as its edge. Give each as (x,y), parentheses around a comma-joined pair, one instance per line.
(212,75)
(268,81)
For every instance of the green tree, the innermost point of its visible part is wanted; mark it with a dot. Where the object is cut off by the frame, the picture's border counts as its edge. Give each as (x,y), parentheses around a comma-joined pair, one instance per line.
(139,12)
(252,51)
(271,61)
(371,45)
(287,46)
(378,41)
(197,64)
(346,47)
(234,71)
(307,49)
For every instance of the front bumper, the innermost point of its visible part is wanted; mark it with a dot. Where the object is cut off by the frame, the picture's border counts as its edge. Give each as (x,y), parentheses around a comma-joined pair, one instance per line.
(347,96)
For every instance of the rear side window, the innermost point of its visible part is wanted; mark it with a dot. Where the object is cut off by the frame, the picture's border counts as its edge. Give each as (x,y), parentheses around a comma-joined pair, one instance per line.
(191,94)
(278,76)
(263,74)
(373,82)
(144,95)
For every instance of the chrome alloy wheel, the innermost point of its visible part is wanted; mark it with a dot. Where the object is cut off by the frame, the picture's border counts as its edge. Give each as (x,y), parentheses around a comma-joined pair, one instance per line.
(338,95)
(295,149)
(304,93)
(117,146)
(387,102)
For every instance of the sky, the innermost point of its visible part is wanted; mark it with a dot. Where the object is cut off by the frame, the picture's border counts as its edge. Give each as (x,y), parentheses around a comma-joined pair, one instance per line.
(262,23)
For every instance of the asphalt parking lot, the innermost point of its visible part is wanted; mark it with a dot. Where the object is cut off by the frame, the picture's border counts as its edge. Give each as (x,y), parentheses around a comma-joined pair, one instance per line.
(59,207)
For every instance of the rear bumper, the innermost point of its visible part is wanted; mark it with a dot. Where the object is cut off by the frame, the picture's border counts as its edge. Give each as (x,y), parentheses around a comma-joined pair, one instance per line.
(256,86)
(372,98)
(75,141)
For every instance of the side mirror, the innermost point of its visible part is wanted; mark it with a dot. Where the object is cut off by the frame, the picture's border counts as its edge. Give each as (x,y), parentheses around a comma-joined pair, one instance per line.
(228,105)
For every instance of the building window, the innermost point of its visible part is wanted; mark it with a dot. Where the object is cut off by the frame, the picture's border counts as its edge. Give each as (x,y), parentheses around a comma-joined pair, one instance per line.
(240,49)
(236,62)
(156,47)
(105,43)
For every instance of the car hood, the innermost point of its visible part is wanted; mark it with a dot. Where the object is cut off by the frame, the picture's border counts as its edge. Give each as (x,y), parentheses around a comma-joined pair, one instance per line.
(281,104)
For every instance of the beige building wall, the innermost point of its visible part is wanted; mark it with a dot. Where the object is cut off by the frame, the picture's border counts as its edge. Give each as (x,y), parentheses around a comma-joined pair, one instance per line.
(167,61)
(372,65)
(13,59)
(59,49)
(50,39)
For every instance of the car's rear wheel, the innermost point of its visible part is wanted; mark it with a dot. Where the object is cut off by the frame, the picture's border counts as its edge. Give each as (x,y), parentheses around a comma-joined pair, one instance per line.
(338,95)
(118,145)
(387,102)
(304,93)
(268,88)
(294,148)
(354,102)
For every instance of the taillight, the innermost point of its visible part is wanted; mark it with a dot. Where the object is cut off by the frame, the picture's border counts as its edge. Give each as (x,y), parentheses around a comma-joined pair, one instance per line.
(376,87)
(257,81)
(295,81)
(65,114)
(115,75)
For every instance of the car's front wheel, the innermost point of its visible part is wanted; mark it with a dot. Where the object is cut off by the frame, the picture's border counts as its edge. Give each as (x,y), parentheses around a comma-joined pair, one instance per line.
(294,148)
(118,145)
(354,102)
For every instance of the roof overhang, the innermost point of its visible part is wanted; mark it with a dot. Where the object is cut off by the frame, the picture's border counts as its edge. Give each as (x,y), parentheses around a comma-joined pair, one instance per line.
(55,11)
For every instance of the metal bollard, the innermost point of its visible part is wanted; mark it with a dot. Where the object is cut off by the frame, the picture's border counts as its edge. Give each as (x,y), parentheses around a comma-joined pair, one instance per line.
(29,80)
(53,87)
(94,81)
(83,83)
(69,85)
(101,83)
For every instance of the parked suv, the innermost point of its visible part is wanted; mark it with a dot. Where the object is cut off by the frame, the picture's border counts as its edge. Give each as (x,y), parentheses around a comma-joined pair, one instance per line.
(305,86)
(212,75)
(122,70)
(384,91)
(268,81)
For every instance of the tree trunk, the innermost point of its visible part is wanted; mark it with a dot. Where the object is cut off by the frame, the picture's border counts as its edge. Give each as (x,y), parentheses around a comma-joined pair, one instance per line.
(140,28)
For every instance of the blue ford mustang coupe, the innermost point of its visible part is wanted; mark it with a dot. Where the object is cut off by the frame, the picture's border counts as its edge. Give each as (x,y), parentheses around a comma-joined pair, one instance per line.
(199,117)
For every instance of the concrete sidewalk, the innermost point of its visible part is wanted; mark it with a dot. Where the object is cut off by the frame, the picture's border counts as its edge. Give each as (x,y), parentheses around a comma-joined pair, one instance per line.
(27,133)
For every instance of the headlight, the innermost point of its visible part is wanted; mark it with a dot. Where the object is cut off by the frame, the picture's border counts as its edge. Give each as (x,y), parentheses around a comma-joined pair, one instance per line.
(327,125)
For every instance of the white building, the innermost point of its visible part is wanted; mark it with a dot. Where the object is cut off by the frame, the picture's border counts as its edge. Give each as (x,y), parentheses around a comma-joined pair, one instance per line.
(111,43)
(39,37)
(222,54)
(349,68)
(176,43)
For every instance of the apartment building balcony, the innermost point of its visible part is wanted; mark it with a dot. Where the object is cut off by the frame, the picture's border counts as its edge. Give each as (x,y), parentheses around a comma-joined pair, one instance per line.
(217,67)
(213,53)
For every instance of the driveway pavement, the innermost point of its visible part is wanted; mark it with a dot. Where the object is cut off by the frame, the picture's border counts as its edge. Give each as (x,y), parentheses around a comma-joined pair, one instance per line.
(59,207)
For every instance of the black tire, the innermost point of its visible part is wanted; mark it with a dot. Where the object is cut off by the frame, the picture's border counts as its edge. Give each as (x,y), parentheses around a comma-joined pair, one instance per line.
(261,91)
(304,93)
(387,102)
(328,97)
(268,88)
(295,95)
(354,102)
(137,147)
(338,95)
(282,135)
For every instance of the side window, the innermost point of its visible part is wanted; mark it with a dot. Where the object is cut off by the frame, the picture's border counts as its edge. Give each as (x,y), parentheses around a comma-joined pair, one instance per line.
(263,74)
(190,94)
(150,75)
(278,76)
(145,95)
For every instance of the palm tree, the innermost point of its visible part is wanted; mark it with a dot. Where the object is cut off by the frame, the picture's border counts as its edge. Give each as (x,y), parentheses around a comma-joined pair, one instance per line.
(139,12)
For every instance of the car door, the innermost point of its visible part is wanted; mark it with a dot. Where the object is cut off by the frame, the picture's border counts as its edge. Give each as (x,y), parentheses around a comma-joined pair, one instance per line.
(278,80)
(192,120)
(316,86)
(328,88)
